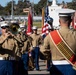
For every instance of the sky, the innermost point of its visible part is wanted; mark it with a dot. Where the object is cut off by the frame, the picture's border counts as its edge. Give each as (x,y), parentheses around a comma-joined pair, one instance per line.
(4,2)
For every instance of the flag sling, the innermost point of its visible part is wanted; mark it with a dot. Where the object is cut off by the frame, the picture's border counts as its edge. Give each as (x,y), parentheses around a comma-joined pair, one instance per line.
(63,47)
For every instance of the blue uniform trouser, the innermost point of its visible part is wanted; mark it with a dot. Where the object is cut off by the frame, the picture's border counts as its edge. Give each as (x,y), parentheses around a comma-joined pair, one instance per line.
(6,67)
(35,55)
(48,64)
(25,59)
(62,70)
(21,68)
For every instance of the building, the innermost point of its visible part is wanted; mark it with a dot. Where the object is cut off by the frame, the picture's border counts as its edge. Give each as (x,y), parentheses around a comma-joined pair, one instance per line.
(53,14)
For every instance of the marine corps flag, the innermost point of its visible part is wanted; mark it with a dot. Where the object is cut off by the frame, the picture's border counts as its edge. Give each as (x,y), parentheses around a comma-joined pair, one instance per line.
(74,21)
(30,20)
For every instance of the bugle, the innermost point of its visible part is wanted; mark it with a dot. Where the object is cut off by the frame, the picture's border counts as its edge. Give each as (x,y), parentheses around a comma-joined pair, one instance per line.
(13,31)
(14,28)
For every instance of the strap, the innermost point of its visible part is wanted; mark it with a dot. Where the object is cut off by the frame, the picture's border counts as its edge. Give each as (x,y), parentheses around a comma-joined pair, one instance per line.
(63,47)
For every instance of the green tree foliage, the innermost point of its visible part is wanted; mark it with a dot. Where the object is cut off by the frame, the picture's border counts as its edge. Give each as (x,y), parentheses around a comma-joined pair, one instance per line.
(73,0)
(41,4)
(38,7)
(18,8)
(1,10)
(21,5)
(8,8)
(72,5)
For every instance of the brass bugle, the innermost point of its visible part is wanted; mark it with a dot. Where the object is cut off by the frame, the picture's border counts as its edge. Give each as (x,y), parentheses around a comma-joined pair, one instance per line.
(14,28)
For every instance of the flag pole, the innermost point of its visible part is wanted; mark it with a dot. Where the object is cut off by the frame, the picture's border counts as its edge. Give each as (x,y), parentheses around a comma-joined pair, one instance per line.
(12,10)
(42,16)
(32,11)
(47,2)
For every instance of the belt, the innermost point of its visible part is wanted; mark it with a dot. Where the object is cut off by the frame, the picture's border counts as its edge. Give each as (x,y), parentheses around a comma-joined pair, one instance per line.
(35,46)
(2,58)
(60,62)
(11,58)
(7,58)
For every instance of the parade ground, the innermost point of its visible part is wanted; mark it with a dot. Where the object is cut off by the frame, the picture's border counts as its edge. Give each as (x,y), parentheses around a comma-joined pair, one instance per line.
(43,70)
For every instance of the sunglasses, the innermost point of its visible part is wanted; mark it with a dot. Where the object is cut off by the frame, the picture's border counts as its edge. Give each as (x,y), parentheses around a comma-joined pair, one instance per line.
(4,27)
(34,29)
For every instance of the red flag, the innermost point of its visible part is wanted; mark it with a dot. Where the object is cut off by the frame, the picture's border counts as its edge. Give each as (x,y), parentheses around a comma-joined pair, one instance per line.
(74,21)
(29,27)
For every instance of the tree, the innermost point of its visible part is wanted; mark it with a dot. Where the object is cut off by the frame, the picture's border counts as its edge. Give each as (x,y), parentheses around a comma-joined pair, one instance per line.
(40,5)
(1,10)
(63,3)
(72,5)
(21,5)
(73,0)
(8,7)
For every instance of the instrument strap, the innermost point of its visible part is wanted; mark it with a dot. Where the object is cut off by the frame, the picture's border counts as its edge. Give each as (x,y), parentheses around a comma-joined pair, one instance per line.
(63,47)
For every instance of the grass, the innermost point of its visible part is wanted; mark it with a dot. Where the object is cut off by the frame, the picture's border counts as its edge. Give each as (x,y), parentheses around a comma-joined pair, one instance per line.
(36,23)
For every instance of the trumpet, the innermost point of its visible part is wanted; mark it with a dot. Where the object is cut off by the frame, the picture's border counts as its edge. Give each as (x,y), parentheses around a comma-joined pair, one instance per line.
(14,28)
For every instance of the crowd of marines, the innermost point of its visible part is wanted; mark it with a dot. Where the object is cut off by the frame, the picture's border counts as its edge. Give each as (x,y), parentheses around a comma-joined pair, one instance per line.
(20,52)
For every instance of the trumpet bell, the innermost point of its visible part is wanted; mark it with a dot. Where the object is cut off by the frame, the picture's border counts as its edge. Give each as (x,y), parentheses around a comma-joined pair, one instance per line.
(14,28)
